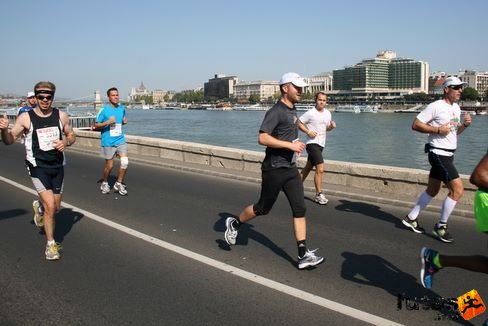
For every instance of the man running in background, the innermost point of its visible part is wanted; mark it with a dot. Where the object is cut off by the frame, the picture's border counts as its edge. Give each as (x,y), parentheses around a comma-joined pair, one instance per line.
(110,121)
(30,103)
(315,123)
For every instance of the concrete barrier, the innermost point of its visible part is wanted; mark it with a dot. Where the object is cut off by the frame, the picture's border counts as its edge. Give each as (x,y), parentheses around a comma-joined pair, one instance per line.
(400,183)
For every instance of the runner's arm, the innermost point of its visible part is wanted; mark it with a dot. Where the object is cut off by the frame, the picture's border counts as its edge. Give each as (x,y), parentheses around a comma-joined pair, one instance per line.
(479,177)
(21,123)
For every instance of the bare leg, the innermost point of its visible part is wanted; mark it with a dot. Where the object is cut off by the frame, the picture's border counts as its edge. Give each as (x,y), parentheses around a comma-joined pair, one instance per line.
(319,172)
(50,208)
(247,214)
(109,164)
(300,228)
(122,171)
(474,263)
(306,170)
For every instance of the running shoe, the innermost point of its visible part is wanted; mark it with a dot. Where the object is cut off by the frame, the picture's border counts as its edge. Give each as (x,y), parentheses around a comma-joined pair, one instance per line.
(320,199)
(230,234)
(310,259)
(38,213)
(441,232)
(105,188)
(428,267)
(413,225)
(59,246)
(52,252)
(120,188)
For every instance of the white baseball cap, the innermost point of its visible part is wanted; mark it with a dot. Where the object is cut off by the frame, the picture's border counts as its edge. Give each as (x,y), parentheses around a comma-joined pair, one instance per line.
(30,94)
(294,78)
(453,81)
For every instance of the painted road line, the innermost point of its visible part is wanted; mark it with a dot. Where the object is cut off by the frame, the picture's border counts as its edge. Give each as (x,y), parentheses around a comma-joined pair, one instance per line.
(306,296)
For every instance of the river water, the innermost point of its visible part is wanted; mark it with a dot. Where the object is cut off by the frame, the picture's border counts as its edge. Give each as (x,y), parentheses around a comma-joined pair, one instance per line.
(381,138)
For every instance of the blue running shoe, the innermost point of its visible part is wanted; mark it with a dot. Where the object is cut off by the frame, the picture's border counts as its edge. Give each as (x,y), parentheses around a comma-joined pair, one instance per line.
(428,267)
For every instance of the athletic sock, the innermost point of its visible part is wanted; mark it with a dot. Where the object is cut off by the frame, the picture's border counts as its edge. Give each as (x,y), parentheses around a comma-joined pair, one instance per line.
(436,261)
(50,242)
(447,208)
(302,248)
(422,202)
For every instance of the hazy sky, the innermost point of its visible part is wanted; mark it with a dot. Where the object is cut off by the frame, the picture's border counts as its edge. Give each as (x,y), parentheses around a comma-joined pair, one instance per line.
(88,45)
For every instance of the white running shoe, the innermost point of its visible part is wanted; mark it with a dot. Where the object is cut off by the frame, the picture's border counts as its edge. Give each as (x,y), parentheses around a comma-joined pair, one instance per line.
(320,199)
(310,259)
(38,213)
(120,188)
(105,188)
(230,234)
(52,252)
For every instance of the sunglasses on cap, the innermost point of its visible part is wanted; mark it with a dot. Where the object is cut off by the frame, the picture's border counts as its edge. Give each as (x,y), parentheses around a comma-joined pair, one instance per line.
(44,97)
(456,87)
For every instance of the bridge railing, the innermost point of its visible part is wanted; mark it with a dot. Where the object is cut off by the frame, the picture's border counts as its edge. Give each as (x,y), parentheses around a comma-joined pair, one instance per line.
(79,122)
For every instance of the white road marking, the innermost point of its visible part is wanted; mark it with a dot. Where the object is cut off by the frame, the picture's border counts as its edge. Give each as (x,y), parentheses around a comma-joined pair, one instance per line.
(309,297)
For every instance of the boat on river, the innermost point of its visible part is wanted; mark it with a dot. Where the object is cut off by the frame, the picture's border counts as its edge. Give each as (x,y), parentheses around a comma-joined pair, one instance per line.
(357,108)
(253,107)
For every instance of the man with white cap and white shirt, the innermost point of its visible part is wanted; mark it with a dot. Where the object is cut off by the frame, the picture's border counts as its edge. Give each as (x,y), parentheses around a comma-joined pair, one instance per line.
(279,133)
(30,103)
(442,121)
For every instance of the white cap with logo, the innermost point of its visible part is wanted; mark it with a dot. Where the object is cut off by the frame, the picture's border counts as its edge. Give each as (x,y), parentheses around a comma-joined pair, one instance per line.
(294,78)
(453,81)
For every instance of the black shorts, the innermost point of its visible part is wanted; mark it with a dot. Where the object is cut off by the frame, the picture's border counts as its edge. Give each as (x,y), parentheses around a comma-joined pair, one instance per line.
(442,167)
(314,152)
(283,179)
(47,178)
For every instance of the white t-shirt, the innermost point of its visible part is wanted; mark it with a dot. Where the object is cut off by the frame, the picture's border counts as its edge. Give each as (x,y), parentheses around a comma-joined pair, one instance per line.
(437,114)
(317,121)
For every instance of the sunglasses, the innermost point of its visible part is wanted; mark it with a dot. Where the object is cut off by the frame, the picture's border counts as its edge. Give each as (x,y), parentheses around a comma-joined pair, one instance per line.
(42,98)
(456,87)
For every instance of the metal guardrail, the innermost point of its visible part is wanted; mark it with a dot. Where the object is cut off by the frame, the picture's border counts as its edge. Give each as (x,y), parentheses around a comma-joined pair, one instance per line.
(83,122)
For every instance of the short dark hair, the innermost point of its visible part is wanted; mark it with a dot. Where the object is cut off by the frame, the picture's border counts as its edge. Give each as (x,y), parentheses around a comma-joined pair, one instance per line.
(44,85)
(112,89)
(317,95)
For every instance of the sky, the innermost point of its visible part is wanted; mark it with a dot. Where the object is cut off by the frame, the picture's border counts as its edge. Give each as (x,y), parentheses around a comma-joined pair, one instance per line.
(89,45)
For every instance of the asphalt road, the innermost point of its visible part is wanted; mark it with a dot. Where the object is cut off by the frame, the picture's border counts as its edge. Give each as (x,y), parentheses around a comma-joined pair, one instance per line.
(157,256)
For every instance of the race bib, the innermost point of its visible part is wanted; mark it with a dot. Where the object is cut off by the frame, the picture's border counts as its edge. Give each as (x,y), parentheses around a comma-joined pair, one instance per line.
(115,129)
(47,138)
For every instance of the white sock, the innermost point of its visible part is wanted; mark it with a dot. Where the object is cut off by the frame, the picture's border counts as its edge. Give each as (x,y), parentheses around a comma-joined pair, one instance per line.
(50,242)
(447,208)
(422,202)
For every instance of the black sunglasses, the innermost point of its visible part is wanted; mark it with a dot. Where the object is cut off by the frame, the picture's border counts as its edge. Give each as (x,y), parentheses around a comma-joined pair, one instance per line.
(456,87)
(42,98)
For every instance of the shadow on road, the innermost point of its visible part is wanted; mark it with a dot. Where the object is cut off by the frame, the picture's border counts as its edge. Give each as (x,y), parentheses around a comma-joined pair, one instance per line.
(11,213)
(247,232)
(369,210)
(376,212)
(372,270)
(65,220)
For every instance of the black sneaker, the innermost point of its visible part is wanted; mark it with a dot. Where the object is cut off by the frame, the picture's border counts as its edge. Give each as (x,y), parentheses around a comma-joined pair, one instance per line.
(441,232)
(413,225)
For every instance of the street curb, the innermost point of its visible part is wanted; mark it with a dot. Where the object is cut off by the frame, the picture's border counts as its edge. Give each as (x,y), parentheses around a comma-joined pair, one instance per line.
(256,180)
